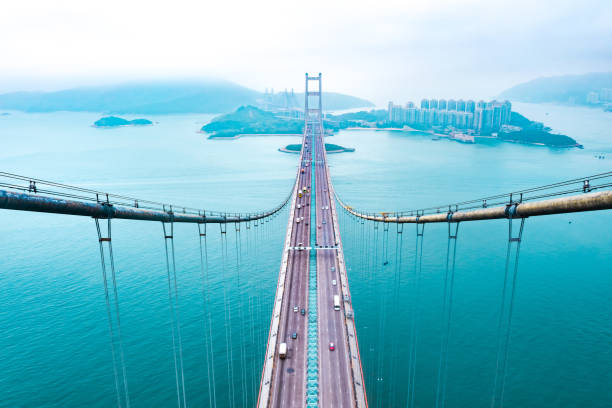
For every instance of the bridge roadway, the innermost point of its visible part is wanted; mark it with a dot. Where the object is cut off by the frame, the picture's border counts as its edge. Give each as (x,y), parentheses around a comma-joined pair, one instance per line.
(340,378)
(289,375)
(336,387)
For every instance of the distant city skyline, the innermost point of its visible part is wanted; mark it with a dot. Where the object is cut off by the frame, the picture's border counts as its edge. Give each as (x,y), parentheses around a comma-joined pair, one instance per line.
(394,50)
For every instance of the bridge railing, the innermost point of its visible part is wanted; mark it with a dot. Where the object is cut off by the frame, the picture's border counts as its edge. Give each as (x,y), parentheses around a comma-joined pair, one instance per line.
(32,194)
(555,198)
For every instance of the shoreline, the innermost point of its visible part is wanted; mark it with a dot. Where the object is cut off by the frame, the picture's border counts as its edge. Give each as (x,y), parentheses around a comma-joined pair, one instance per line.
(445,136)
(118,126)
(238,136)
(284,150)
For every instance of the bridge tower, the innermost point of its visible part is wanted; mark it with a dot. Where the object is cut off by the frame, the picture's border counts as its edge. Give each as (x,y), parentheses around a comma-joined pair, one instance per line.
(313,115)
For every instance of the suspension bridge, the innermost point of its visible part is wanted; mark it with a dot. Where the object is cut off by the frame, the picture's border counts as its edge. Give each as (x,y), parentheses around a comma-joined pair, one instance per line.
(312,356)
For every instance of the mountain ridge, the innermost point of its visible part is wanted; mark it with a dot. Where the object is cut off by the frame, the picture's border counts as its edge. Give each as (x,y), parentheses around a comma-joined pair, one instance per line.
(159,97)
(569,89)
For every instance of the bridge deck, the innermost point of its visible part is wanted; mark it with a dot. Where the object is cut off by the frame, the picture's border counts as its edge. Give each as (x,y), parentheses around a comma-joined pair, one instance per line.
(337,388)
(319,376)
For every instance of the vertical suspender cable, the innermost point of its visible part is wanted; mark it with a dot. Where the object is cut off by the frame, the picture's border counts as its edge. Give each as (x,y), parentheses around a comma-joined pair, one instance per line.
(227,315)
(251,368)
(396,290)
(374,276)
(210,364)
(414,332)
(382,315)
(447,305)
(109,313)
(511,306)
(116,299)
(171,269)
(503,341)
(240,329)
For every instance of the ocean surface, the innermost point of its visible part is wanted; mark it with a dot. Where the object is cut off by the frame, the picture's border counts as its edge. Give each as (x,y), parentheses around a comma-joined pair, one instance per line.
(55,349)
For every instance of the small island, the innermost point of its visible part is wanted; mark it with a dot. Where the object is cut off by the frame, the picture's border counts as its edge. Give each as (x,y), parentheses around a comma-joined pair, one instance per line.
(114,121)
(329,148)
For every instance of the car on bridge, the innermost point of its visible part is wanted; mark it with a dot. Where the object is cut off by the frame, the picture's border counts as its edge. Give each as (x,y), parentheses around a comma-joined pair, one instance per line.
(334,282)
(295,309)
(294,335)
(303,312)
(332,346)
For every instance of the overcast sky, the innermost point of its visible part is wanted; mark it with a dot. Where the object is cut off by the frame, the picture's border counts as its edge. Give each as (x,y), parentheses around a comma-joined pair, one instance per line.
(381,50)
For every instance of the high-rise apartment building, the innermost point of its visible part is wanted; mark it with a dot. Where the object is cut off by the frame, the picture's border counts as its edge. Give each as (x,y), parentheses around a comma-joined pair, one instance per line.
(461,105)
(480,117)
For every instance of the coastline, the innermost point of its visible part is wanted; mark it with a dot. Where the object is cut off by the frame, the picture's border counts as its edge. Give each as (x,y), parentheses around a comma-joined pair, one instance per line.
(343,150)
(118,126)
(238,136)
(445,136)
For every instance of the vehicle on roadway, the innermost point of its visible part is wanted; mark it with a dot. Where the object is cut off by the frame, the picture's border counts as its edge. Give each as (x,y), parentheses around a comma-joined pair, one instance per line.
(319,226)
(297,221)
(299,206)
(303,312)
(333,269)
(332,346)
(282,351)
(294,335)
(323,222)
(336,302)
(334,282)
(295,309)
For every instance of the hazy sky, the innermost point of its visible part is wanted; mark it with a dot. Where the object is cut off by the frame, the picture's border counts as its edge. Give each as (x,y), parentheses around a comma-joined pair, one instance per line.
(380,49)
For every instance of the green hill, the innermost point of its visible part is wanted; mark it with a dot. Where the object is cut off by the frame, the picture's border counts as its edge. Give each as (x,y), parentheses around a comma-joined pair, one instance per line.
(251,120)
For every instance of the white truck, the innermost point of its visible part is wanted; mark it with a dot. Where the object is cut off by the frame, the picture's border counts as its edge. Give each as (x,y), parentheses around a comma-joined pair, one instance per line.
(282,351)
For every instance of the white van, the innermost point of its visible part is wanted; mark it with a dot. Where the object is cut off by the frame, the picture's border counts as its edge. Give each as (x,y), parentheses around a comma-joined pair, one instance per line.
(336,302)
(282,351)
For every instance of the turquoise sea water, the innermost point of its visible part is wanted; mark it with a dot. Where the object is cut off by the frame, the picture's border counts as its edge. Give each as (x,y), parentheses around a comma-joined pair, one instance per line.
(55,350)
